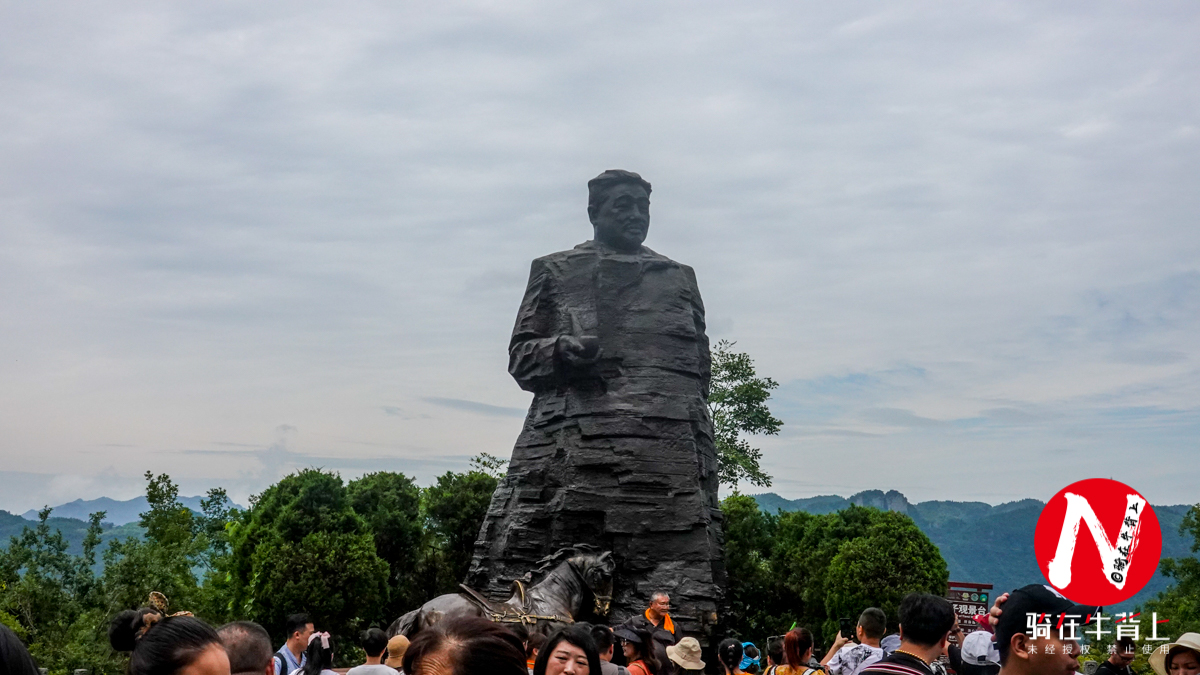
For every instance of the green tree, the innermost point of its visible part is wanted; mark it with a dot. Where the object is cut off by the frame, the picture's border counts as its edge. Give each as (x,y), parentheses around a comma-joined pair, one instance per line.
(163,560)
(489,464)
(216,512)
(302,548)
(213,523)
(50,597)
(813,569)
(890,559)
(748,546)
(455,507)
(1180,603)
(391,505)
(738,404)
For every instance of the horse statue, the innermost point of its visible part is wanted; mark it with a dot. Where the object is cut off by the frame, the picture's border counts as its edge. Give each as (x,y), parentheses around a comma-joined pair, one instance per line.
(574,582)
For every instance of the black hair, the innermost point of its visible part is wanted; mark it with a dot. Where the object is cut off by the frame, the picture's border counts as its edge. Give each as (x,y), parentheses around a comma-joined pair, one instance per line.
(581,637)
(14,657)
(293,623)
(598,188)
(775,651)
(1176,651)
(374,642)
(520,630)
(159,645)
(475,645)
(534,641)
(248,646)
(1126,645)
(645,647)
(603,637)
(752,652)
(319,658)
(925,619)
(873,622)
(729,653)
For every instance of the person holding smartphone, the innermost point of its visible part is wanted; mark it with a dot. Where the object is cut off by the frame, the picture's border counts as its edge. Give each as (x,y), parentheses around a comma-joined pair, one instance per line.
(847,657)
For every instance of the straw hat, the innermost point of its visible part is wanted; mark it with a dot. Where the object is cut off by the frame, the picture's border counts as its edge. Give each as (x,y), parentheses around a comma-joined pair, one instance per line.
(396,648)
(686,654)
(1158,659)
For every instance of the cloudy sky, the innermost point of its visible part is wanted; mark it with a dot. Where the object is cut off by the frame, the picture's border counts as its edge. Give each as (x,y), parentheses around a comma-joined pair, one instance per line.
(241,238)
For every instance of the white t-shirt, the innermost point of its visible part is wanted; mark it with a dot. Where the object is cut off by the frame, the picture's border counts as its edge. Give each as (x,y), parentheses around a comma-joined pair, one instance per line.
(852,658)
(374,669)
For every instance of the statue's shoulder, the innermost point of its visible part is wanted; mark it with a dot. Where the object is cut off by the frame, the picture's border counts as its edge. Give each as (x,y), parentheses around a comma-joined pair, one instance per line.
(572,257)
(589,251)
(658,257)
(650,254)
(559,257)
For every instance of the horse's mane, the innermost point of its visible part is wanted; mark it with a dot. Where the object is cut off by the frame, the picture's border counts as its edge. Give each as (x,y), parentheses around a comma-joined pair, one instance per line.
(547,564)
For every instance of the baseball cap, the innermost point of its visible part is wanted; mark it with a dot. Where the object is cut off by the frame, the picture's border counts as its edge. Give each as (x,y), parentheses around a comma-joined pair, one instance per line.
(1038,599)
(978,648)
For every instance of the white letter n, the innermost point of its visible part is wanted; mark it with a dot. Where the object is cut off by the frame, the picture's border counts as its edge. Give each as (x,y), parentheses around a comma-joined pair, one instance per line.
(1078,509)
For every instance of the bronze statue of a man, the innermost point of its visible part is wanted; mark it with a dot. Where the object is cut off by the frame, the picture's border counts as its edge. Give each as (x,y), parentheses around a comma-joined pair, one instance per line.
(617,449)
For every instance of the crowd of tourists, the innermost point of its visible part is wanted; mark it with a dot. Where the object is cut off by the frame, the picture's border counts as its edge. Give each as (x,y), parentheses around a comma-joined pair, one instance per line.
(929,637)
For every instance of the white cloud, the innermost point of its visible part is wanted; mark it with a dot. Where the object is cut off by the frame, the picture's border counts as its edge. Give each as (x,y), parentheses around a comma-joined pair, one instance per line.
(222,219)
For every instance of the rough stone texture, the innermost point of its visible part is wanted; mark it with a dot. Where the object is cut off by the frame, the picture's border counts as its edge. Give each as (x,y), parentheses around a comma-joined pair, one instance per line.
(617,448)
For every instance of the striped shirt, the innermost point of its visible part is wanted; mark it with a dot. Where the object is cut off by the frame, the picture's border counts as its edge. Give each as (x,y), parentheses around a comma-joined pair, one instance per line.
(897,663)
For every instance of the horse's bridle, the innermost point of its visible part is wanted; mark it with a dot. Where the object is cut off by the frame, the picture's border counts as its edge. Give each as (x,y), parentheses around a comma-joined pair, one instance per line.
(597,599)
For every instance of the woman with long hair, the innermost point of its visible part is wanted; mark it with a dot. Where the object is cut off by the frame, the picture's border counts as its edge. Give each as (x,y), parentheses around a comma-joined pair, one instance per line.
(729,654)
(638,649)
(570,651)
(318,657)
(797,652)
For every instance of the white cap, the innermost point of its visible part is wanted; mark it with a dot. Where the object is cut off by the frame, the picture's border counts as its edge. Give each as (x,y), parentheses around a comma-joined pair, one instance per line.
(978,649)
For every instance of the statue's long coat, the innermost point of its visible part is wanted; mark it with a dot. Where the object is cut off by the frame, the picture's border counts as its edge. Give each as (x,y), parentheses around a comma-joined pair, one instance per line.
(621,454)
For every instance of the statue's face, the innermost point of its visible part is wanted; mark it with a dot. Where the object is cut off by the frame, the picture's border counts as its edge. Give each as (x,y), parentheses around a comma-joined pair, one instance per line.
(623,220)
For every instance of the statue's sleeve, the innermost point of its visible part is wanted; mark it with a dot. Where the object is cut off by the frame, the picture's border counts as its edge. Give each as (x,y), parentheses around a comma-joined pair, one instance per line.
(701,337)
(531,354)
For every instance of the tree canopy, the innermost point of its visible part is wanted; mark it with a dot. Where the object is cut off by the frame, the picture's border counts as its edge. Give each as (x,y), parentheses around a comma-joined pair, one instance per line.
(1180,603)
(738,403)
(810,570)
(350,555)
(303,548)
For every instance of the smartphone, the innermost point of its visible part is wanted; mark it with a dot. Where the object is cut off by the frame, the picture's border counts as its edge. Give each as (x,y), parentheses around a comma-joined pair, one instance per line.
(847,628)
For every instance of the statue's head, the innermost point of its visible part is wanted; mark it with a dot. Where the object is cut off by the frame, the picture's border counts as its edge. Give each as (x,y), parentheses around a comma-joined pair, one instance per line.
(597,571)
(619,208)
(594,567)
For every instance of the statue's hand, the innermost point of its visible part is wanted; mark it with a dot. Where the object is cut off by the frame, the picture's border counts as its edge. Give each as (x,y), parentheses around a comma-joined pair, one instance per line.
(579,352)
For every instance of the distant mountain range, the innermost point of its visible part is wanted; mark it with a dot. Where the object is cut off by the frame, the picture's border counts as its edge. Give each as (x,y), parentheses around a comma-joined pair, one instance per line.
(980,542)
(117,513)
(72,530)
(120,520)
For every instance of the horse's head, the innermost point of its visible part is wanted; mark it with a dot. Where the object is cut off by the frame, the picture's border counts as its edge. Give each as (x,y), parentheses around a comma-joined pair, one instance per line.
(597,572)
(589,571)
